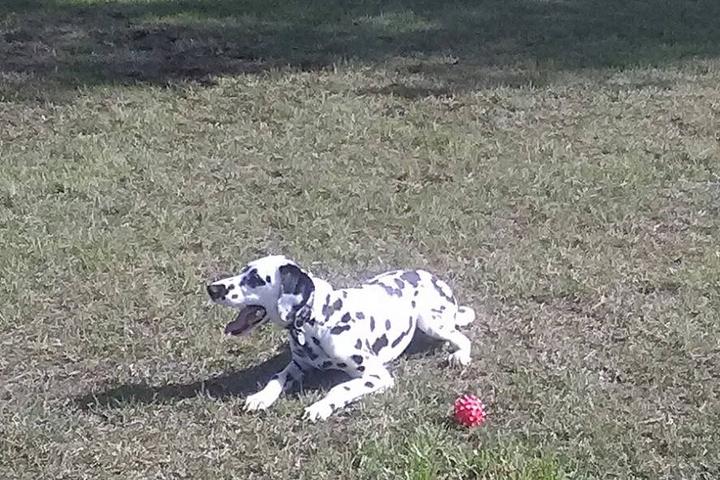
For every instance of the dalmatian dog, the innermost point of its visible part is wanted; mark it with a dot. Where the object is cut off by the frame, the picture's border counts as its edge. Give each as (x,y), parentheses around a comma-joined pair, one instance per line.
(357,330)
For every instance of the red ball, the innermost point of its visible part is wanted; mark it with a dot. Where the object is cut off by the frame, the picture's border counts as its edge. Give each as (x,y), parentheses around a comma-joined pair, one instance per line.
(469,411)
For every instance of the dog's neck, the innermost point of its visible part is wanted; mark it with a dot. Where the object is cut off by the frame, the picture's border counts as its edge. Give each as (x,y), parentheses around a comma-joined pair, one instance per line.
(312,320)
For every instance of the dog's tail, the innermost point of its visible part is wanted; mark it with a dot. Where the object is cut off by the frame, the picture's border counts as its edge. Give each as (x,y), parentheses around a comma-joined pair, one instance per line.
(464,316)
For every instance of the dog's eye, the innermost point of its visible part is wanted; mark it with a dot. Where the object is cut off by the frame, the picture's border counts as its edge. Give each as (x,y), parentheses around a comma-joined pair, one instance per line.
(252,280)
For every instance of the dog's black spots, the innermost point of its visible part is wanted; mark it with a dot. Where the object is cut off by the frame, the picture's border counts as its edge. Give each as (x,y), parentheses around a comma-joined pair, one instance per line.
(342,365)
(252,279)
(360,315)
(442,308)
(367,344)
(360,369)
(417,292)
(413,304)
(357,359)
(230,287)
(326,364)
(318,344)
(268,279)
(400,284)
(397,341)
(372,323)
(369,385)
(346,318)
(339,329)
(375,376)
(393,292)
(346,388)
(387,324)
(442,289)
(328,310)
(436,310)
(358,344)
(344,294)
(411,277)
(310,353)
(379,344)
(234,295)
(332,406)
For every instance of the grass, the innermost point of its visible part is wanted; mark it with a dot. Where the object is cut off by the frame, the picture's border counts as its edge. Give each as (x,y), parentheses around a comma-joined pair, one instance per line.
(556,161)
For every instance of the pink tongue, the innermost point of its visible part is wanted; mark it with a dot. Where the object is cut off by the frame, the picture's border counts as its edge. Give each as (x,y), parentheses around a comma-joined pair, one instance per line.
(247,318)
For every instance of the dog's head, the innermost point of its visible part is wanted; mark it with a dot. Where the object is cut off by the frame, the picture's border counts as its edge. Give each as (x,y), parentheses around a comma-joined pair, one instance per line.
(271,289)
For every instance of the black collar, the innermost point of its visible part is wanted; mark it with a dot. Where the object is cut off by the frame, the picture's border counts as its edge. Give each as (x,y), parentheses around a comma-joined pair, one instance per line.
(295,327)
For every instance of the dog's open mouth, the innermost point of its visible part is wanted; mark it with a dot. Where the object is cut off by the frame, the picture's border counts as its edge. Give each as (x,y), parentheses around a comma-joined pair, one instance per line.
(245,320)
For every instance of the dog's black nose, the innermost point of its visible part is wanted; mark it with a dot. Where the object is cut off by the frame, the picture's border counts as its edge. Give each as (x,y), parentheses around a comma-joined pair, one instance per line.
(217,291)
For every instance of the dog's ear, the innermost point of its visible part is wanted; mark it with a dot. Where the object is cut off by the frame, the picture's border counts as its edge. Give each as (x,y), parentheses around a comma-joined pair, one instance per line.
(296,293)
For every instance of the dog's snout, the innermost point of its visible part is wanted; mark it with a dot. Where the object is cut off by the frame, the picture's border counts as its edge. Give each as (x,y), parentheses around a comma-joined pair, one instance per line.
(217,291)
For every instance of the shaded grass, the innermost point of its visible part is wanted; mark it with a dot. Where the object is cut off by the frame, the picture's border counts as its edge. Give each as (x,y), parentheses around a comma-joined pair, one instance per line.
(456,46)
(578,215)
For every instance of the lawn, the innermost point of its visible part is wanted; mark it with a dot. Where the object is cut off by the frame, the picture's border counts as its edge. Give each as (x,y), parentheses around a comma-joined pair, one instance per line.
(557,161)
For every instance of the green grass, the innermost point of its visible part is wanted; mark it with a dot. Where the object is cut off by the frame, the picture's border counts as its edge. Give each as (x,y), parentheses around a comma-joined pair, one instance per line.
(558,162)
(431,452)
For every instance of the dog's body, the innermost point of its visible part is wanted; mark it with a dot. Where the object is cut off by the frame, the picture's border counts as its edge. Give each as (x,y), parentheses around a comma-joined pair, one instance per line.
(356,330)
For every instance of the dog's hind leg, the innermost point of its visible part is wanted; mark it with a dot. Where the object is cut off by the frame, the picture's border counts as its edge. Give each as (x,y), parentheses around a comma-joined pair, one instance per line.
(278,383)
(442,326)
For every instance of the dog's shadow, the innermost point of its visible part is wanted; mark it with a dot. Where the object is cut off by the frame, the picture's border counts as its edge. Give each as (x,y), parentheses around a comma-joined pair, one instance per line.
(238,383)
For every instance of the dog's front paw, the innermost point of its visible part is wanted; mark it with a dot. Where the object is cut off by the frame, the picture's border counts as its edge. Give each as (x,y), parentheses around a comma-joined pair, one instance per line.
(459,358)
(318,411)
(259,401)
